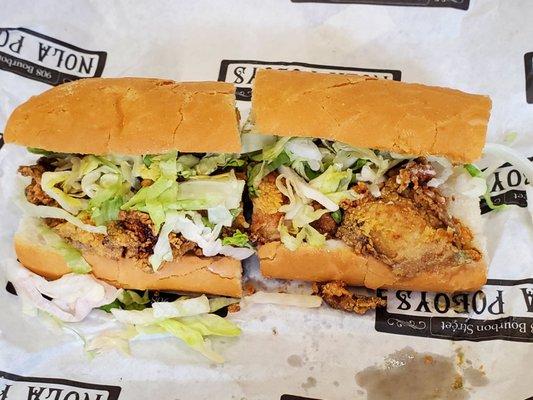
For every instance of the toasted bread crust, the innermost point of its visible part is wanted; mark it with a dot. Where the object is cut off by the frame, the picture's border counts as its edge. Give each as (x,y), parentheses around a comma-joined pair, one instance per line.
(213,275)
(374,113)
(342,264)
(129,116)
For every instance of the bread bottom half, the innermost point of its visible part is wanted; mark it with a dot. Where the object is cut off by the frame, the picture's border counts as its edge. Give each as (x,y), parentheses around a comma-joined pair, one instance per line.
(211,275)
(321,265)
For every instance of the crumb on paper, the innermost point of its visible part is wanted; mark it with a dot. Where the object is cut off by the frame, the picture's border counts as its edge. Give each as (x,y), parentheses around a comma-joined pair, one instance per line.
(233,308)
(337,296)
(249,289)
(311,382)
(458,382)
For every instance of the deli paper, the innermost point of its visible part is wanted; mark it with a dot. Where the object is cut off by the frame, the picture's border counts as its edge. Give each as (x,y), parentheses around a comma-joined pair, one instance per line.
(480,46)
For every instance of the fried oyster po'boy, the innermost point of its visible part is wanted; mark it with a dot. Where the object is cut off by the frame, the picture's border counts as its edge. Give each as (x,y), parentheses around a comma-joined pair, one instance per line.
(366,181)
(139,182)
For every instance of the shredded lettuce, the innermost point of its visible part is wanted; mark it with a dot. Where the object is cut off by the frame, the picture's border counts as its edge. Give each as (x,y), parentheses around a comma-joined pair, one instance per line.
(285,299)
(238,239)
(181,308)
(111,339)
(211,162)
(337,216)
(188,319)
(107,210)
(443,169)
(334,183)
(303,189)
(207,192)
(55,212)
(217,303)
(302,150)
(131,300)
(262,169)
(251,142)
(473,170)
(477,177)
(272,152)
(192,338)
(192,227)
(506,153)
(211,324)
(72,297)
(72,256)
(36,150)
(71,204)
(306,234)
(157,197)
(220,215)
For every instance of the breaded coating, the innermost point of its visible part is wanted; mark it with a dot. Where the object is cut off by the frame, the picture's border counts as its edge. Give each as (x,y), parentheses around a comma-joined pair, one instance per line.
(266,217)
(408,227)
(34,192)
(326,225)
(131,236)
(337,296)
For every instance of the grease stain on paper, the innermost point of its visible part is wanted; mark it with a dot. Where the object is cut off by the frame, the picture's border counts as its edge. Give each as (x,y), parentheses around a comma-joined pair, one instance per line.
(407,374)
(295,360)
(310,383)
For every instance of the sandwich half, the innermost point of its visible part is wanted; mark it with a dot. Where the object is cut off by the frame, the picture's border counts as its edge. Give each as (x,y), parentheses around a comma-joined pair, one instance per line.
(366,181)
(139,182)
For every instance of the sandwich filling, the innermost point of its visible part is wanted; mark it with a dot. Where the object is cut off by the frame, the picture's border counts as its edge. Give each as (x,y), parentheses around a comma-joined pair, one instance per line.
(322,193)
(151,208)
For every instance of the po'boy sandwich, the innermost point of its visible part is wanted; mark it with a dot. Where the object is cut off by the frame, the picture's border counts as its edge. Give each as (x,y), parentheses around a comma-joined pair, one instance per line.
(138,182)
(366,181)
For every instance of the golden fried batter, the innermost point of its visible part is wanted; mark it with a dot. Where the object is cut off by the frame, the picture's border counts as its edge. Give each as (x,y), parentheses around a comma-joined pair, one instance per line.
(131,236)
(34,192)
(408,227)
(326,225)
(337,296)
(265,218)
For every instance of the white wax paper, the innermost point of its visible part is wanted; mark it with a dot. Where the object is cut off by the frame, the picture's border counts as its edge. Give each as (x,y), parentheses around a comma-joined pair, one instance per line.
(312,353)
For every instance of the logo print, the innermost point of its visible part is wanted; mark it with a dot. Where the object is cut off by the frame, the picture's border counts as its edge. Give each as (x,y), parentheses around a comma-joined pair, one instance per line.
(21,387)
(528,62)
(507,186)
(242,72)
(459,4)
(478,316)
(45,59)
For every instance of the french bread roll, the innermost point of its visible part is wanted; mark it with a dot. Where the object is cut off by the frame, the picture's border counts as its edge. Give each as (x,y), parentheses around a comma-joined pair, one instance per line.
(380,114)
(212,275)
(322,265)
(129,116)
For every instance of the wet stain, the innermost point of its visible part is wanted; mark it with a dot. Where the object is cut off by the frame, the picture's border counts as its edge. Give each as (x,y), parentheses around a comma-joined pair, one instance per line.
(310,383)
(407,375)
(295,360)
(475,377)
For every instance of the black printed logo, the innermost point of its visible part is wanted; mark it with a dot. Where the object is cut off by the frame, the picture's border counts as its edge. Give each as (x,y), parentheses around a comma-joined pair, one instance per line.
(293,397)
(16,387)
(507,186)
(459,4)
(528,61)
(242,72)
(45,59)
(487,314)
